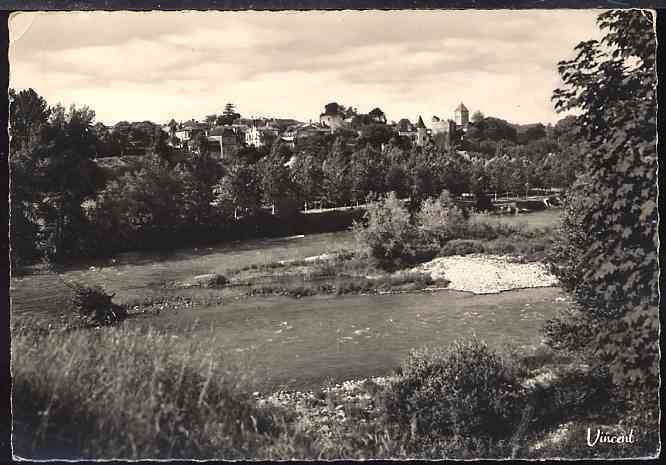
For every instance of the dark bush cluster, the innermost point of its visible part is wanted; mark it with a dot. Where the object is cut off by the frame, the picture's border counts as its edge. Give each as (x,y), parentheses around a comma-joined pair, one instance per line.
(462,247)
(572,329)
(95,305)
(576,393)
(467,390)
(216,280)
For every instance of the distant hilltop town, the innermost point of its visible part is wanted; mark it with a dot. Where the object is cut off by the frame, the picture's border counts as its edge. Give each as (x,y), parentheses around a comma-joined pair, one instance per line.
(227,134)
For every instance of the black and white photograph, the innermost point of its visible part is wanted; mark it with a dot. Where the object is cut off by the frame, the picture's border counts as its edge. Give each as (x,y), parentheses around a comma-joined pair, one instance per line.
(334,235)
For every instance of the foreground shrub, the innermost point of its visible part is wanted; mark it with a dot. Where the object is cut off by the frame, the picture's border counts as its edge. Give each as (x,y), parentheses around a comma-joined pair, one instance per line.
(95,305)
(575,393)
(121,393)
(571,329)
(466,391)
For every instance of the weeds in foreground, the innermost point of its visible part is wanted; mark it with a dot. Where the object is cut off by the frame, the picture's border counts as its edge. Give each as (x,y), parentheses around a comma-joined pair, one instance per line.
(132,394)
(123,393)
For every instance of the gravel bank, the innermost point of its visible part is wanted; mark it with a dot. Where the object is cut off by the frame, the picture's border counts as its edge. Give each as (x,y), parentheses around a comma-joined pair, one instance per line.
(331,407)
(487,274)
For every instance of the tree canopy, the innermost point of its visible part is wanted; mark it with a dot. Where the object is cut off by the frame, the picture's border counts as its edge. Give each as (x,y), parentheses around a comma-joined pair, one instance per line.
(612,83)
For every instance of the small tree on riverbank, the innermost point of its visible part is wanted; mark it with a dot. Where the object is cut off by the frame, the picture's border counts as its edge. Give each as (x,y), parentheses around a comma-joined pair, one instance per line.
(388,236)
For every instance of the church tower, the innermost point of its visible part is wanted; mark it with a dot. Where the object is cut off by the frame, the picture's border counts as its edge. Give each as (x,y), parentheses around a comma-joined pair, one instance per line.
(421,133)
(461,116)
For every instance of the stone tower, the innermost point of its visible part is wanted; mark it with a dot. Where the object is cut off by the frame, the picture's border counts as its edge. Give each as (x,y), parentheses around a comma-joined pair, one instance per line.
(461,116)
(421,133)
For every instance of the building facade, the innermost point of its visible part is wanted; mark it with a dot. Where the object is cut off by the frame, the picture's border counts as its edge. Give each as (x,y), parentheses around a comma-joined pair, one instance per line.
(461,116)
(332,117)
(422,136)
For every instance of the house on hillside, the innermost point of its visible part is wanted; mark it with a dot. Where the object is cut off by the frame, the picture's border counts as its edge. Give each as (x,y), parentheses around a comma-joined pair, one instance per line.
(224,141)
(188,131)
(461,116)
(309,130)
(293,134)
(422,133)
(332,117)
(258,136)
(444,131)
(405,128)
(289,137)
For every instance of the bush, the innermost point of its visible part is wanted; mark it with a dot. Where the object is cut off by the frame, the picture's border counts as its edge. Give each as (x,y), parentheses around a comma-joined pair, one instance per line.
(439,220)
(216,280)
(572,330)
(504,246)
(417,278)
(389,237)
(462,247)
(352,286)
(95,306)
(290,290)
(575,394)
(479,229)
(467,391)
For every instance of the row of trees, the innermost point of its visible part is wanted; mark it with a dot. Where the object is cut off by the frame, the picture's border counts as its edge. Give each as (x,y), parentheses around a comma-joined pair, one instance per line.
(64,204)
(131,139)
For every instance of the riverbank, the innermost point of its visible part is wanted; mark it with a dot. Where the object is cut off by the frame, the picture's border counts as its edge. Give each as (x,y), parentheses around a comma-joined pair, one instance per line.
(487,274)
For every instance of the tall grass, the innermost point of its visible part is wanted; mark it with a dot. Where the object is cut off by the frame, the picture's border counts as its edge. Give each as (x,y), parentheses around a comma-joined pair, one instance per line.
(125,393)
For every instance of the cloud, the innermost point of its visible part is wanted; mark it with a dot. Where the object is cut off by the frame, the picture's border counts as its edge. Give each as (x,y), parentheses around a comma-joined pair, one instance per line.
(143,65)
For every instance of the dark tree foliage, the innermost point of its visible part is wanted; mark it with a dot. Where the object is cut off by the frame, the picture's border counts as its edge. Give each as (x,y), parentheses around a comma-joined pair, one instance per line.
(278,186)
(240,188)
(199,173)
(532,133)
(336,182)
(367,172)
(490,128)
(309,176)
(612,83)
(229,115)
(65,177)
(28,114)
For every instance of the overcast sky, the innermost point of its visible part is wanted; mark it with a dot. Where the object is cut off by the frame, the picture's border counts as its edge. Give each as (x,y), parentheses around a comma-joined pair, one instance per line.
(139,65)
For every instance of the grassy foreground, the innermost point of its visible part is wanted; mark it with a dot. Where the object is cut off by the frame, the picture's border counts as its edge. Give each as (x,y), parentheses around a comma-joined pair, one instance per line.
(130,393)
(133,394)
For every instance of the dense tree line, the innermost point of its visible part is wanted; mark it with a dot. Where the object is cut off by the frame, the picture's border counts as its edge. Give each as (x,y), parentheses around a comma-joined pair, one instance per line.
(65,205)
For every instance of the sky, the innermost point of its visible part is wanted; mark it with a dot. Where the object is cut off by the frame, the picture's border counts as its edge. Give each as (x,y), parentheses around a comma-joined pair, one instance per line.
(137,66)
